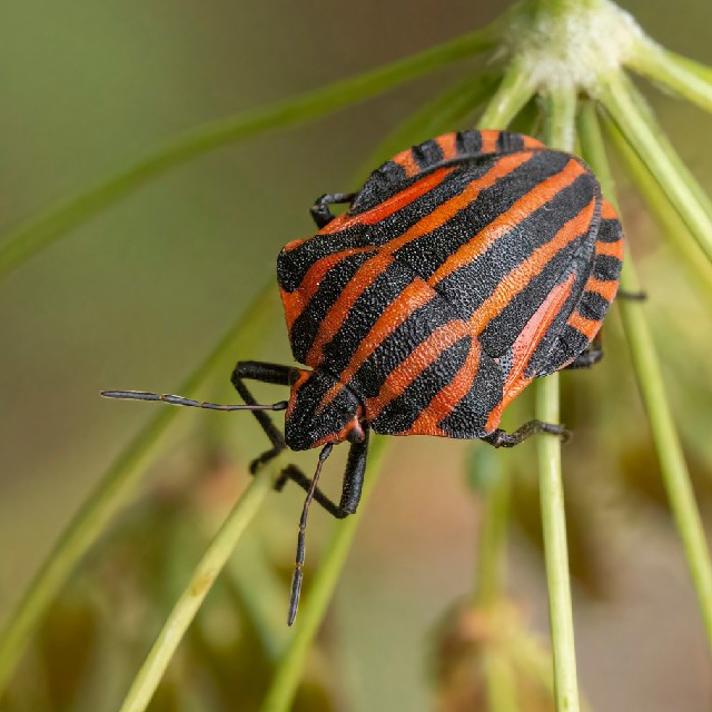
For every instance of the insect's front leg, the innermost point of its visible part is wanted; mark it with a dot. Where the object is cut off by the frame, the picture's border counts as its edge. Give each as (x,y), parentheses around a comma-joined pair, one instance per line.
(320,211)
(352,483)
(500,438)
(266,373)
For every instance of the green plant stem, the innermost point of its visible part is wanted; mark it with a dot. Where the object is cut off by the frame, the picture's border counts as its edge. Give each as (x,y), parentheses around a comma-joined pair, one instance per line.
(206,572)
(560,114)
(441,114)
(36,234)
(500,681)
(652,146)
(698,266)
(115,488)
(493,542)
(555,550)
(560,118)
(513,93)
(650,383)
(256,587)
(288,673)
(684,76)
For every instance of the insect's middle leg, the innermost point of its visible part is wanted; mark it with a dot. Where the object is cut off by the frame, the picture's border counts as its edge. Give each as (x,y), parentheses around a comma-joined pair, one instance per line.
(320,211)
(352,482)
(500,438)
(267,373)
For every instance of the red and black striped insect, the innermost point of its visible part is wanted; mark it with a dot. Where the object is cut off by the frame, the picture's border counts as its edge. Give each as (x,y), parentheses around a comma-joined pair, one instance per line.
(464,268)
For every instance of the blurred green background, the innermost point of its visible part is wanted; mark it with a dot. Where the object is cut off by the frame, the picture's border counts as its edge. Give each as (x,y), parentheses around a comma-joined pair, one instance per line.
(138,296)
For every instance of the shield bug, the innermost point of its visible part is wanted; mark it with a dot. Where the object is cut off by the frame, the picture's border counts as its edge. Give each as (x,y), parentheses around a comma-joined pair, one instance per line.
(464,268)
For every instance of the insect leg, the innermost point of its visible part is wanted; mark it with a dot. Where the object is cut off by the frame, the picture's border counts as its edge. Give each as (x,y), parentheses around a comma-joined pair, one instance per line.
(352,483)
(590,356)
(267,373)
(500,438)
(320,210)
(632,296)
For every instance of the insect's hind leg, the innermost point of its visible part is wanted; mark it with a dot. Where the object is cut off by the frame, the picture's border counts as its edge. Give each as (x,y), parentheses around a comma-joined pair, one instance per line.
(320,211)
(352,483)
(590,356)
(266,373)
(640,296)
(500,438)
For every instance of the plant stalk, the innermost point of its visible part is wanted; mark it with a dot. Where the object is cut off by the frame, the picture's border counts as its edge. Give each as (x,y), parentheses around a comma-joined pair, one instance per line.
(513,93)
(493,542)
(648,374)
(288,673)
(206,572)
(635,122)
(560,112)
(697,264)
(443,113)
(33,236)
(114,489)
(687,78)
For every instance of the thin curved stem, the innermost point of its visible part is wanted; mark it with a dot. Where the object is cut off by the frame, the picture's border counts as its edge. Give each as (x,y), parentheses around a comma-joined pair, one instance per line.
(441,114)
(560,113)
(114,489)
(492,546)
(636,123)
(513,93)
(650,383)
(30,238)
(206,572)
(288,673)
(684,76)
(665,215)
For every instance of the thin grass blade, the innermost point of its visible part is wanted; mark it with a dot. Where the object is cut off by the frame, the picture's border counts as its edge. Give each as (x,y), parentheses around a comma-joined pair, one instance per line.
(206,572)
(648,374)
(286,679)
(637,124)
(697,264)
(687,78)
(38,233)
(116,487)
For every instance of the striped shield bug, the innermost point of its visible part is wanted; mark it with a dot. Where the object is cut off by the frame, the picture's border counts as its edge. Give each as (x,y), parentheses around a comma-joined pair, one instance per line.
(464,268)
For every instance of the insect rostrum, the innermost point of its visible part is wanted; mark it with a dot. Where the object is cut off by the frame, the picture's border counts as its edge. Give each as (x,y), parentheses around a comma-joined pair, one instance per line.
(464,268)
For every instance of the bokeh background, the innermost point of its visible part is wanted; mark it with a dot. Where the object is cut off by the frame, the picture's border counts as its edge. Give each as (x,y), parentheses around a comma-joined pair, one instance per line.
(138,296)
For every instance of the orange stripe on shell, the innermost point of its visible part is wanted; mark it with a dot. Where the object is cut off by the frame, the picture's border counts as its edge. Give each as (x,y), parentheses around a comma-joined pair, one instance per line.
(526,344)
(522,275)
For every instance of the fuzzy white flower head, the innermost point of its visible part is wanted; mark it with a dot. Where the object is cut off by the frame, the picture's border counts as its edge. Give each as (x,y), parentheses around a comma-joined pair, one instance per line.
(574,45)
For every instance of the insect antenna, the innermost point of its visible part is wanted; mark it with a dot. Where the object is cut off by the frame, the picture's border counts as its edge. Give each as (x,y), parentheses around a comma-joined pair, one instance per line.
(301,538)
(190,402)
